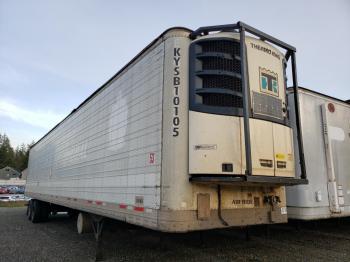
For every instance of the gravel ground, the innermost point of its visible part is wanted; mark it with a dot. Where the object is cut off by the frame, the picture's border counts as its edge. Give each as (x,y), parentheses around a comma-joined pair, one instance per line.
(57,240)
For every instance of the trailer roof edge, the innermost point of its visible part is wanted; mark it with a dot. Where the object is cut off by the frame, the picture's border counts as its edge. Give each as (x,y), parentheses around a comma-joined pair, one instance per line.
(318,93)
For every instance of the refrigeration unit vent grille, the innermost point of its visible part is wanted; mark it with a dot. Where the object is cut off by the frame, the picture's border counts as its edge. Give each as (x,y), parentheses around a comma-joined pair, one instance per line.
(218,63)
(220,45)
(225,82)
(215,76)
(221,100)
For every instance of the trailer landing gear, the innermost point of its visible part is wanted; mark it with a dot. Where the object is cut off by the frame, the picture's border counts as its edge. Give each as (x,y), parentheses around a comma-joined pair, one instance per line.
(97,225)
(84,223)
(87,223)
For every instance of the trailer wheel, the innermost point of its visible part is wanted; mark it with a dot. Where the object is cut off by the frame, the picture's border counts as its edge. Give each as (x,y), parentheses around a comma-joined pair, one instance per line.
(39,211)
(44,211)
(35,211)
(84,223)
(29,210)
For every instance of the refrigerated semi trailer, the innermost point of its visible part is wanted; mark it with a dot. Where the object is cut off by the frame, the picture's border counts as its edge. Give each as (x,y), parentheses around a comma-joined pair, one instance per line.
(193,133)
(325,123)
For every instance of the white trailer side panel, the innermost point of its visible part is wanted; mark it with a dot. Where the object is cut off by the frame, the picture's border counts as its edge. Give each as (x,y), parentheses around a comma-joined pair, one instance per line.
(108,153)
(314,201)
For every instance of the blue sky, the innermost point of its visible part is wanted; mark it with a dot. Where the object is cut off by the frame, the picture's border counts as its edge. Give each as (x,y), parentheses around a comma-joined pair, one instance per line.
(53,54)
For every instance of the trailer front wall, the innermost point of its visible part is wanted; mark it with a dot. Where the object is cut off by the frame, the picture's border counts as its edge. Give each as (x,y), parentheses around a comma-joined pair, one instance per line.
(106,156)
(241,204)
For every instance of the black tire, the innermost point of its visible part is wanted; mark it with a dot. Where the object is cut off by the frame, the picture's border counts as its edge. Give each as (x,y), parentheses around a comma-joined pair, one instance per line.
(44,211)
(39,211)
(29,210)
(35,211)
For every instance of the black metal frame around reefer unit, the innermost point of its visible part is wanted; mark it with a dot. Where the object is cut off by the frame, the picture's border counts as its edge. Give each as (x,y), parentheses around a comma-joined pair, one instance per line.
(242,28)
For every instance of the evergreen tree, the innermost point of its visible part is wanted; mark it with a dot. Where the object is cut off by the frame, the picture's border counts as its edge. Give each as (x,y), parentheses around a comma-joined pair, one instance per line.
(18,158)
(7,155)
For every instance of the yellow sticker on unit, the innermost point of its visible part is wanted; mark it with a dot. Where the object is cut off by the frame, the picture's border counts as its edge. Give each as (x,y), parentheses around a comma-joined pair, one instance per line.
(280,156)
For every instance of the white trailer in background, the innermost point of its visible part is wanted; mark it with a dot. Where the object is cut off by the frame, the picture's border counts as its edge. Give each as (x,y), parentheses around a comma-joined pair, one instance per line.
(325,125)
(192,134)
